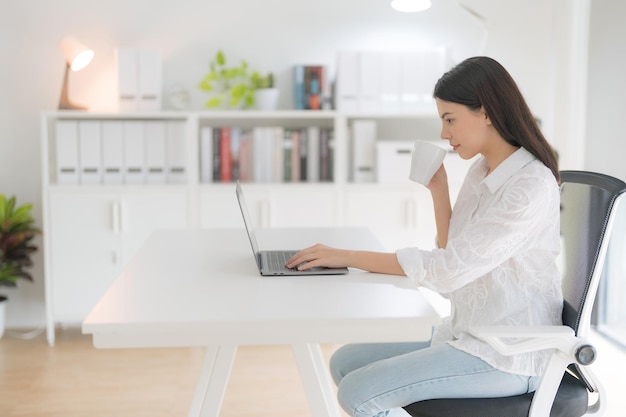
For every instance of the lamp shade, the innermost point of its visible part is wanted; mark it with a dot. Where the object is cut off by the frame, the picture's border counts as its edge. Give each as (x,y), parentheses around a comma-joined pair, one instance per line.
(77,55)
(410,6)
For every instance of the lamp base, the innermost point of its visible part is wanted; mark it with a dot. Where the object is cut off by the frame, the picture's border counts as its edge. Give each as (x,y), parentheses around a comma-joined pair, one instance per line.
(70,106)
(64,101)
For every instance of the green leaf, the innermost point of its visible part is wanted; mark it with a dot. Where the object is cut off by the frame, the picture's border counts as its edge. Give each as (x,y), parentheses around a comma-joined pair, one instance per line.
(205,84)
(249,102)
(221,60)
(238,90)
(213,102)
(2,207)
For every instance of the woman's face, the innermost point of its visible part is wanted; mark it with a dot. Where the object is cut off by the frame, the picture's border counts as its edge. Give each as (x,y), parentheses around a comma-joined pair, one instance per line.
(465,129)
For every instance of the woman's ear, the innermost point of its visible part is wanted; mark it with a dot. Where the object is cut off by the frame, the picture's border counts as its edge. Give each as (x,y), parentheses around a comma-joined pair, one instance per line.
(485,115)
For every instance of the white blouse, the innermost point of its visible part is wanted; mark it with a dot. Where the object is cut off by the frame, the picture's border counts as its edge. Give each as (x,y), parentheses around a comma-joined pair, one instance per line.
(499,265)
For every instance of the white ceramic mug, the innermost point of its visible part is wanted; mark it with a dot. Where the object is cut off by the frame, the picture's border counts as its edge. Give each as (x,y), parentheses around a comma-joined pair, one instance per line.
(426,158)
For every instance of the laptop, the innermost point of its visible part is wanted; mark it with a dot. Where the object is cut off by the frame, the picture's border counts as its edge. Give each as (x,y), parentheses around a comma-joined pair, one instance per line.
(273,262)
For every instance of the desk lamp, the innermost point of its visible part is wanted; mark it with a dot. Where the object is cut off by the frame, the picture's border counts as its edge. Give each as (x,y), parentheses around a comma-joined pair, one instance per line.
(77,57)
(410,6)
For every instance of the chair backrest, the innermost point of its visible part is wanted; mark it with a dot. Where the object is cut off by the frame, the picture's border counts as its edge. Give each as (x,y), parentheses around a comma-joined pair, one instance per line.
(588,202)
(588,205)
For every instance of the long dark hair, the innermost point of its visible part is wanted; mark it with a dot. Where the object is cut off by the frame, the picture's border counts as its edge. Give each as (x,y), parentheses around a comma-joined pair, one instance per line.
(482,82)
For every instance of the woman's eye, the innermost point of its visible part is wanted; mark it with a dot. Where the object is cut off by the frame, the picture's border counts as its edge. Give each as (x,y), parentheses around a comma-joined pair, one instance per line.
(449,121)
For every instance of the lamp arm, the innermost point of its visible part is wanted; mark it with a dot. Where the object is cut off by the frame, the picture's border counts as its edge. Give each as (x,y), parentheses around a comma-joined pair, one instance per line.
(64,101)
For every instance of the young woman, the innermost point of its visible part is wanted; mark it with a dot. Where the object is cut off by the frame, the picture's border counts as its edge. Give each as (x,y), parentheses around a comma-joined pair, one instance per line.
(495,260)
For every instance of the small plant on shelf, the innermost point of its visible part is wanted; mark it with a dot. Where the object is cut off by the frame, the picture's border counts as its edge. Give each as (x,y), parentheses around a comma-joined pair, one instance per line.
(262,81)
(16,234)
(229,87)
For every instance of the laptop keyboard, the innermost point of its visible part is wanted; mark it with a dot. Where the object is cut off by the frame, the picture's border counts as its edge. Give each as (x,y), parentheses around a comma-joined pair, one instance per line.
(277,260)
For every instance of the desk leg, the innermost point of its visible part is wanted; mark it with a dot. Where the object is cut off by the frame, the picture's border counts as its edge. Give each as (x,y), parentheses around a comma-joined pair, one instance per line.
(211,386)
(316,380)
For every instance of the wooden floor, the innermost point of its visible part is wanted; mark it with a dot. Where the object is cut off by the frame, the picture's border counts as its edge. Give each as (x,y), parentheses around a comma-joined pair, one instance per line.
(73,379)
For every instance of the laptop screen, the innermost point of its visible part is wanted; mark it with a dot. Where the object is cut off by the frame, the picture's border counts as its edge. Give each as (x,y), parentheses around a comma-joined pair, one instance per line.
(248,223)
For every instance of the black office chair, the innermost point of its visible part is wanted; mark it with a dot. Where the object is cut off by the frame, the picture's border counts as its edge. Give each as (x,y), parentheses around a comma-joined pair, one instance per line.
(567,388)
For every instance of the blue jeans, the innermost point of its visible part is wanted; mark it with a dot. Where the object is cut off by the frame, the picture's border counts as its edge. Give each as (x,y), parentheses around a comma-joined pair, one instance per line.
(375,378)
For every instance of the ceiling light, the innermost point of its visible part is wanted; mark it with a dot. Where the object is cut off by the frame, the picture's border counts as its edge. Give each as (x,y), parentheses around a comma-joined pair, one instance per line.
(410,6)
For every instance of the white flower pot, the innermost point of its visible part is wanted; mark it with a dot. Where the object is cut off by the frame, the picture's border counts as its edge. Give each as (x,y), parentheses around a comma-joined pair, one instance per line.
(266,98)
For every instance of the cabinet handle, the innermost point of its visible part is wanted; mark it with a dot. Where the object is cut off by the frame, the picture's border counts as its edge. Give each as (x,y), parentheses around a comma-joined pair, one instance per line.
(123,217)
(115,217)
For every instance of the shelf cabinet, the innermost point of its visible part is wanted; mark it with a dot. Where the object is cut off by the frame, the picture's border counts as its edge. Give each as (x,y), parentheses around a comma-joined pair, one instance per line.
(93,234)
(93,227)
(277,205)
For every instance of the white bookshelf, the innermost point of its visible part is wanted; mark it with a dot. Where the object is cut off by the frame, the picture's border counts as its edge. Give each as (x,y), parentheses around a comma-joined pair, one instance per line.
(92,230)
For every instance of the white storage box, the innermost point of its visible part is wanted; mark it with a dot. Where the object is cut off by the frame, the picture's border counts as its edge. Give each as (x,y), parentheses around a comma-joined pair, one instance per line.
(393,161)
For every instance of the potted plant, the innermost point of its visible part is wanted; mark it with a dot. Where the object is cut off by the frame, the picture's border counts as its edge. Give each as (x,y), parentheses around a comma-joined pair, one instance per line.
(16,234)
(265,94)
(238,87)
(229,87)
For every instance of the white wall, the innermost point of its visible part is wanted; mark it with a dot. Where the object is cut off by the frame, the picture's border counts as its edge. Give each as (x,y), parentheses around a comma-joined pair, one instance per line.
(606,141)
(525,36)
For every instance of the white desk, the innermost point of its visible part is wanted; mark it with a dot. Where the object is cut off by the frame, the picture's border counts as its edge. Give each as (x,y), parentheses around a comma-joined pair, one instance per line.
(202,288)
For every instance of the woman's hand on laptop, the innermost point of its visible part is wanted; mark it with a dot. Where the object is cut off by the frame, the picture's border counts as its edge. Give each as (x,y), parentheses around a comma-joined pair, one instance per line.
(324,256)
(319,256)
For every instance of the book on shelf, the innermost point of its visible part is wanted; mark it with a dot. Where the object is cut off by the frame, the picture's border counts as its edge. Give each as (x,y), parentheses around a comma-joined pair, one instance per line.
(112,151)
(266,154)
(364,135)
(313,154)
(155,151)
(226,165)
(295,155)
(287,155)
(245,156)
(235,157)
(176,156)
(206,154)
(312,89)
(326,161)
(89,152)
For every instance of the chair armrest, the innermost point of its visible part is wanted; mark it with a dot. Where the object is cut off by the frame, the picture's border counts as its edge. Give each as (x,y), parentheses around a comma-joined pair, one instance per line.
(567,348)
(512,340)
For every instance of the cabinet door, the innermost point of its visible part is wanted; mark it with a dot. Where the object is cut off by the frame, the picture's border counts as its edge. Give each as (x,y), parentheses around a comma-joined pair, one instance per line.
(306,206)
(398,216)
(143,212)
(84,251)
(93,235)
(219,207)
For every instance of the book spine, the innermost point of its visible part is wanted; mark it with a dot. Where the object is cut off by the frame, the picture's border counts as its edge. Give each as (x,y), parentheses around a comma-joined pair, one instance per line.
(206,154)
(216,154)
(244,155)
(225,156)
(295,156)
(235,145)
(298,87)
(331,155)
(324,177)
(287,149)
(315,90)
(304,145)
(279,150)
(313,154)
